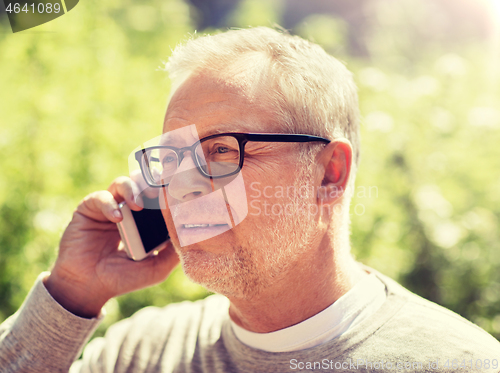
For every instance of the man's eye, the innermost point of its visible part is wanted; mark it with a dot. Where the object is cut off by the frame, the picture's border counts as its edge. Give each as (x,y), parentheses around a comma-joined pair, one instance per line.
(222,149)
(168,159)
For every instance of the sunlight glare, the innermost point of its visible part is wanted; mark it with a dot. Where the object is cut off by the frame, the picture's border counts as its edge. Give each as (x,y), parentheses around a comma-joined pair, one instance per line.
(495,4)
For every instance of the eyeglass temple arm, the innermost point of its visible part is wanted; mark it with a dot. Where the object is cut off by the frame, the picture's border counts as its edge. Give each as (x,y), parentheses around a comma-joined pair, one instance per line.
(284,138)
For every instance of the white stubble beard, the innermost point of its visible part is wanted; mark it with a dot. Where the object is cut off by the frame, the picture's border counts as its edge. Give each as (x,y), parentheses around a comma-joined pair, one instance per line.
(244,272)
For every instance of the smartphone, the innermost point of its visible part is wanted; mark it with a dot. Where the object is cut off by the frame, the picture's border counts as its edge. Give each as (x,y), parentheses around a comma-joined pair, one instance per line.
(143,232)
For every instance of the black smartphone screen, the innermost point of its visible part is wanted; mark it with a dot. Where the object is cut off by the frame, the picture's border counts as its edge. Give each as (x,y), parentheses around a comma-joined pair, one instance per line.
(150,224)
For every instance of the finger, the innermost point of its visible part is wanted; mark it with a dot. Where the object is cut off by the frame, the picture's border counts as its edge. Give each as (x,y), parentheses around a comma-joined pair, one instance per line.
(124,189)
(100,206)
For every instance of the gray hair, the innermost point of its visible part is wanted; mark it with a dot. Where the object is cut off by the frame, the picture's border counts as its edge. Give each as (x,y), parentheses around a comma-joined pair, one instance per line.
(309,91)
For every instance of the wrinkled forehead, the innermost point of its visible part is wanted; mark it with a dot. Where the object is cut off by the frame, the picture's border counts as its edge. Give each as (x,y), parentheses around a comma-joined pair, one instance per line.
(211,102)
(181,137)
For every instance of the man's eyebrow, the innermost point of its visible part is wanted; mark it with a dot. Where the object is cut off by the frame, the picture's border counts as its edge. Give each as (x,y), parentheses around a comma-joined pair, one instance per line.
(227,128)
(164,141)
(167,139)
(170,138)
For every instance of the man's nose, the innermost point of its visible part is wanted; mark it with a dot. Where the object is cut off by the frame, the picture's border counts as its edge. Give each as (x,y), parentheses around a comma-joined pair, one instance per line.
(188,183)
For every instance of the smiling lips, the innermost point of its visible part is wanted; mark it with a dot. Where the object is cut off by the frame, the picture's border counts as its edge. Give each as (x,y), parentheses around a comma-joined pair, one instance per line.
(191,226)
(201,218)
(196,232)
(196,222)
(206,214)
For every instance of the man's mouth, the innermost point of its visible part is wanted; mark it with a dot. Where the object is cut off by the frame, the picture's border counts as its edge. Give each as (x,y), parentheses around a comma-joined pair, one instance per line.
(190,233)
(193,226)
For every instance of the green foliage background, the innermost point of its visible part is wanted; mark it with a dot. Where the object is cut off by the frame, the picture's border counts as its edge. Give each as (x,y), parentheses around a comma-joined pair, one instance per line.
(79,93)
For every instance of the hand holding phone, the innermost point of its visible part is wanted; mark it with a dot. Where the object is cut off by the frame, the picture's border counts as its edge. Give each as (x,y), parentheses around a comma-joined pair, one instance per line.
(144,232)
(90,269)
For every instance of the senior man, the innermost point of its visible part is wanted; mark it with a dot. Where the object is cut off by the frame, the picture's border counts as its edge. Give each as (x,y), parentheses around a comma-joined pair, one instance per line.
(290,295)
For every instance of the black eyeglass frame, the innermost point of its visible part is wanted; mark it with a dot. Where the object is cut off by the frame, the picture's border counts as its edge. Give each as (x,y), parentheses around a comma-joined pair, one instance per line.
(242,138)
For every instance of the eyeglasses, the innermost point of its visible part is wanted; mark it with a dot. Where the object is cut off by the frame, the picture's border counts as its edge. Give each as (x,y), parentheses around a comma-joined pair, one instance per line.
(214,156)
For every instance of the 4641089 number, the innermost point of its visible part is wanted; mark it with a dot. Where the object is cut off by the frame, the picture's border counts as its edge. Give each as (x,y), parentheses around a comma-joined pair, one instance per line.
(32,8)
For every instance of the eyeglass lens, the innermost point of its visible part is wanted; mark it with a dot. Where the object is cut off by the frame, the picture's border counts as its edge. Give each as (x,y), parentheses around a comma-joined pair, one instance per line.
(218,156)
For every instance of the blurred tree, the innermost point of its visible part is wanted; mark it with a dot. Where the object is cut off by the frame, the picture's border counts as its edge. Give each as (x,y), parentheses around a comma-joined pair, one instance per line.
(78,95)
(212,13)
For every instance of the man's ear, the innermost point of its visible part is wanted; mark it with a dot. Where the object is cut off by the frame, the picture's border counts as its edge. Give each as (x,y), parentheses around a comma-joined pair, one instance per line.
(336,158)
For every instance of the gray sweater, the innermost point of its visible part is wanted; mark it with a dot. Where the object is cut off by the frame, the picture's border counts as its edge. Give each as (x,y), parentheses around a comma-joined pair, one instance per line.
(407,334)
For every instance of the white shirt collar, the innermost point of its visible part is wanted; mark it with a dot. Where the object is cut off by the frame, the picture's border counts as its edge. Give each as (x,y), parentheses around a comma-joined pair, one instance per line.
(360,302)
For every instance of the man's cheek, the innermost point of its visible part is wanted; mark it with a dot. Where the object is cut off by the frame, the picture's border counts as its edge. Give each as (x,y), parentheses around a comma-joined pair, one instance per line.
(256,198)
(236,198)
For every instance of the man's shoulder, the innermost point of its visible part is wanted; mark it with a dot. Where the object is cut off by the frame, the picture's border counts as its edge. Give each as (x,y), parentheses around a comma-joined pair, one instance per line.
(206,312)
(411,328)
(421,314)
(162,336)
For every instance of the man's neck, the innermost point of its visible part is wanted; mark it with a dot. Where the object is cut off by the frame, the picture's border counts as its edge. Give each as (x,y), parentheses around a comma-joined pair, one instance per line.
(309,288)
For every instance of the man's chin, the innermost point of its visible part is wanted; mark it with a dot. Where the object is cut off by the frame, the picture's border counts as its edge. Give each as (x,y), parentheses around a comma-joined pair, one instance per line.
(197,250)
(223,274)
(194,257)
(201,266)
